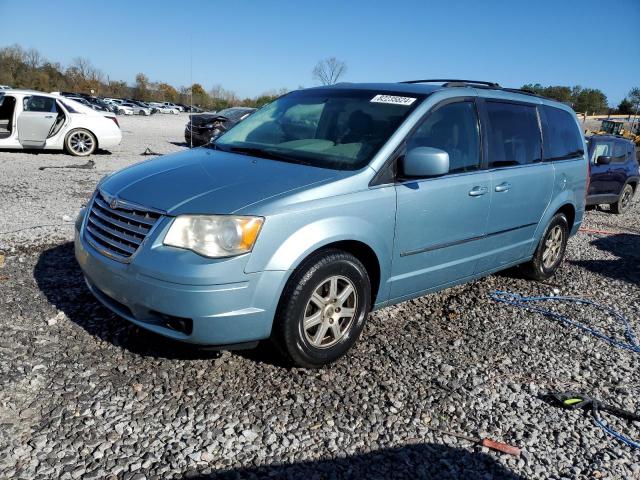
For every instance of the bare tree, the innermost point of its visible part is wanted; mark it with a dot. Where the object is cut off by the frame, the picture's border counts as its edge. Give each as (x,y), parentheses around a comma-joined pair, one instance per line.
(329,70)
(33,58)
(218,92)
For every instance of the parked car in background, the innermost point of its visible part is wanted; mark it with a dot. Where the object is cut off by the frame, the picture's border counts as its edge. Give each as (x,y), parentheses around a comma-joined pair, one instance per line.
(333,201)
(173,105)
(614,174)
(151,109)
(193,109)
(166,109)
(202,128)
(137,109)
(5,87)
(88,100)
(37,120)
(80,100)
(123,109)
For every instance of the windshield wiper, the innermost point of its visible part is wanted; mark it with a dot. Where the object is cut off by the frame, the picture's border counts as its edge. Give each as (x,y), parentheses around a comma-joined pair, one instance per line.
(262,153)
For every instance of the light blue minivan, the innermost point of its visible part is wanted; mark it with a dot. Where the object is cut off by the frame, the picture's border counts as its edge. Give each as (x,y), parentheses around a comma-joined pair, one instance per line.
(331,202)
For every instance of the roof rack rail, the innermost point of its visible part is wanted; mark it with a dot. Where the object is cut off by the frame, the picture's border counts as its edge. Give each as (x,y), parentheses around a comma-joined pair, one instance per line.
(524,91)
(479,84)
(452,82)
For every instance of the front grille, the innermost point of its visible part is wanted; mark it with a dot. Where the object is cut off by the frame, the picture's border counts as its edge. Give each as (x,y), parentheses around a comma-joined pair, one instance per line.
(118,232)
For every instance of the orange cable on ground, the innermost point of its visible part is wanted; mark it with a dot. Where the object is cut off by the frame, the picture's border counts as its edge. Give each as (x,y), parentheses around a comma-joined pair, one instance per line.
(602,232)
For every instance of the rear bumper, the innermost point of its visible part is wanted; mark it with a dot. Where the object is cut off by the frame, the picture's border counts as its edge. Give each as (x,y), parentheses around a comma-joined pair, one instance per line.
(108,141)
(217,314)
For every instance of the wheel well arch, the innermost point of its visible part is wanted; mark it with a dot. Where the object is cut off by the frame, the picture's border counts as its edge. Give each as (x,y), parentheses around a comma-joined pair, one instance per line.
(634,185)
(365,254)
(569,212)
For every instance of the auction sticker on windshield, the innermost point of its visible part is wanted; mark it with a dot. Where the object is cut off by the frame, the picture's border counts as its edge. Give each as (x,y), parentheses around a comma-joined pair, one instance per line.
(395,100)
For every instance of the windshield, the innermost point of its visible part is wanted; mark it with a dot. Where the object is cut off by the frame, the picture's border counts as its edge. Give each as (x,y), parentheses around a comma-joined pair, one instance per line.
(328,128)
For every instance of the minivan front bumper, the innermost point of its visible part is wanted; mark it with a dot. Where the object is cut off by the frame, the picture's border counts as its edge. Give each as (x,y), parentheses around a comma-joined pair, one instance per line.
(215,314)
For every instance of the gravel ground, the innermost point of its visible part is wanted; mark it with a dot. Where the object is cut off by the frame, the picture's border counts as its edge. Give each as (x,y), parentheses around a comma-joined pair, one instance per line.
(40,205)
(84,394)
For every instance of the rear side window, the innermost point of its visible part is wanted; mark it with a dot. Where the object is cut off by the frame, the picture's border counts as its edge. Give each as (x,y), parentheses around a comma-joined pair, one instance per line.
(69,108)
(454,129)
(562,138)
(619,152)
(40,104)
(513,135)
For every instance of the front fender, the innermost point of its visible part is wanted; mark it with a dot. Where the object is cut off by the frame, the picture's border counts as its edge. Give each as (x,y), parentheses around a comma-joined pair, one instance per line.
(367,217)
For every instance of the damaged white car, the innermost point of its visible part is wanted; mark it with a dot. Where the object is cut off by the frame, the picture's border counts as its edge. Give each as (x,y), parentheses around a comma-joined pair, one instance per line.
(36,120)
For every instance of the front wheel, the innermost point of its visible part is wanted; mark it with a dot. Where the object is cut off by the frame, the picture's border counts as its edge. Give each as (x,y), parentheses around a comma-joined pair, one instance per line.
(323,309)
(550,251)
(80,142)
(624,200)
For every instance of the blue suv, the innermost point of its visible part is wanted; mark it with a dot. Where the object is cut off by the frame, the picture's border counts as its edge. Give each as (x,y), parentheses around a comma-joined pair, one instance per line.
(331,202)
(614,172)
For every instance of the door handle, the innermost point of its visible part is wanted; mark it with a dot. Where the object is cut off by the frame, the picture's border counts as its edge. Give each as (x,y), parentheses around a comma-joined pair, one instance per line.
(477,191)
(503,187)
(48,116)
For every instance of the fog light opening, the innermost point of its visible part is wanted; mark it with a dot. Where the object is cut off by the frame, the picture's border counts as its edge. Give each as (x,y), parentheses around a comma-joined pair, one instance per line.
(179,324)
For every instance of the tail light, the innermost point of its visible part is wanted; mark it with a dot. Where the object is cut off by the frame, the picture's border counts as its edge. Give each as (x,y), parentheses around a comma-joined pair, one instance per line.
(115,120)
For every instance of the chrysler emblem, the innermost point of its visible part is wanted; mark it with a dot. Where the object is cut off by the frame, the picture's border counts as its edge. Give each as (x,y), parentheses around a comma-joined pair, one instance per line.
(113,203)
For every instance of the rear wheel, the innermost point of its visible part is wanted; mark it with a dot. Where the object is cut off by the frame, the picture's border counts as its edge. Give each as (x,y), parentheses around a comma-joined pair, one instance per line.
(80,142)
(622,205)
(550,251)
(323,309)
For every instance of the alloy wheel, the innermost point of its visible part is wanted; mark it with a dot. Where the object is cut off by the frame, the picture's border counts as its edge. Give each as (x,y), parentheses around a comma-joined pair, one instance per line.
(626,197)
(330,312)
(552,247)
(81,143)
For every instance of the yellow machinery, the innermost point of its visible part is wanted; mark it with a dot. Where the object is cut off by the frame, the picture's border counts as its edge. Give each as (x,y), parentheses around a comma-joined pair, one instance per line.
(613,127)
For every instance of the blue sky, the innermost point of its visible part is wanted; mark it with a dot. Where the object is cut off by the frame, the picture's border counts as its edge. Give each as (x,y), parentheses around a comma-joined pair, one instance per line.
(252,46)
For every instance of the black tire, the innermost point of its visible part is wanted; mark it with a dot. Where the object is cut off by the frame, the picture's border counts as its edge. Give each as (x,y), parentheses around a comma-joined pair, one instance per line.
(539,267)
(80,142)
(624,200)
(316,272)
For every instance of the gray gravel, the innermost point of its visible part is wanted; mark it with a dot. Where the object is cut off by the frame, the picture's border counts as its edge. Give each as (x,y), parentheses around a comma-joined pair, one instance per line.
(84,394)
(40,205)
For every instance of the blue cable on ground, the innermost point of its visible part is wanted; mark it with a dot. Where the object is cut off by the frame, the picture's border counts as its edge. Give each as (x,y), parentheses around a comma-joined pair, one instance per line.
(524,302)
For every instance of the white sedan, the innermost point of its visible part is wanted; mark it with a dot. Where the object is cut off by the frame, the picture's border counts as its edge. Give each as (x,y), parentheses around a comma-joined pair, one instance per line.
(166,109)
(137,109)
(37,120)
(123,109)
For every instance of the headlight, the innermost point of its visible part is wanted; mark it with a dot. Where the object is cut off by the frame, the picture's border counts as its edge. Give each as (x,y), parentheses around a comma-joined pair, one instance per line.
(214,235)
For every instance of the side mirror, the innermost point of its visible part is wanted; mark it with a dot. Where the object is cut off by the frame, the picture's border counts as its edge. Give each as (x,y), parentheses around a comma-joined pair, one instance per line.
(603,160)
(425,162)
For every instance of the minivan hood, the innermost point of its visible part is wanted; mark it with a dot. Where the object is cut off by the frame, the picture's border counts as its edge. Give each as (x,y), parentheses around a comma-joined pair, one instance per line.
(207,181)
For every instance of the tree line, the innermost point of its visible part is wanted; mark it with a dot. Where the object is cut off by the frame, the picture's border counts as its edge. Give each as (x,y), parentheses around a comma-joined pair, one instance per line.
(587,100)
(28,68)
